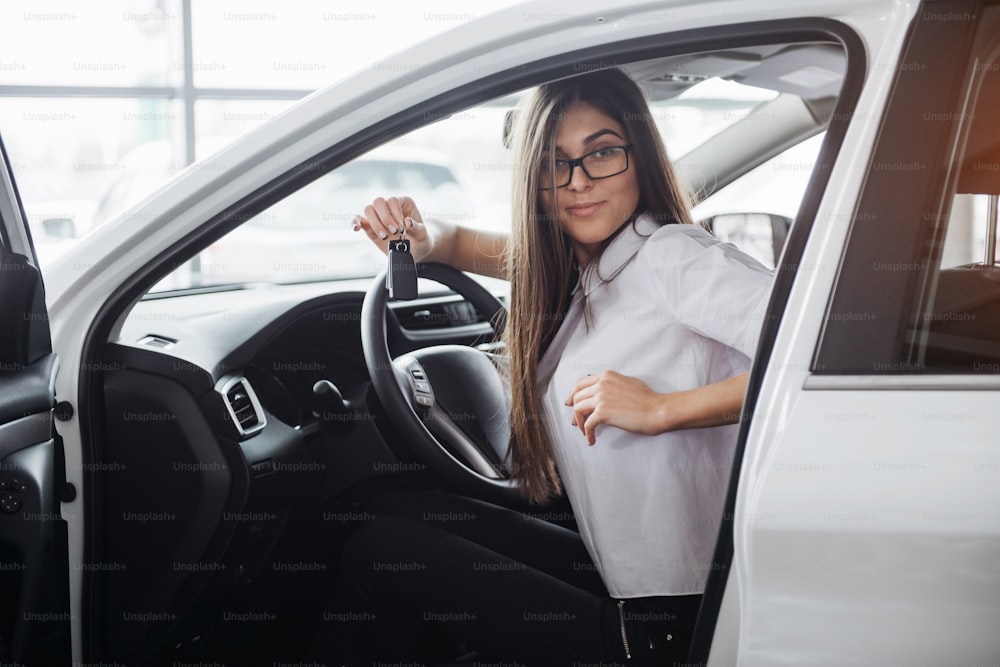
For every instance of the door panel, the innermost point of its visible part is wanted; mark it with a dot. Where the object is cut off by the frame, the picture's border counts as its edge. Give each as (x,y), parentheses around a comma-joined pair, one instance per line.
(34,600)
(34,618)
(875,531)
(867,523)
(33,580)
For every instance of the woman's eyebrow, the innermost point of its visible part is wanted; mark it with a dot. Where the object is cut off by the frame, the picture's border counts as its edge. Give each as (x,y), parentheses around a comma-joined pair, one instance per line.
(593,137)
(601,133)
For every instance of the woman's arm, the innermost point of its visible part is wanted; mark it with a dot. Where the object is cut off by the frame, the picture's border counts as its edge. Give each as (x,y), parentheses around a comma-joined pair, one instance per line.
(462,247)
(628,403)
(478,251)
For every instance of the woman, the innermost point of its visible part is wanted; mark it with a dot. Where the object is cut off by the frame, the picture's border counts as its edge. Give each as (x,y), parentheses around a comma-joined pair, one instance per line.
(630,334)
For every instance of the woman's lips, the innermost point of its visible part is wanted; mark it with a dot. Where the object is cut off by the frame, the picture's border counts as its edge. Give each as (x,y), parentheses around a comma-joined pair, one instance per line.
(584,210)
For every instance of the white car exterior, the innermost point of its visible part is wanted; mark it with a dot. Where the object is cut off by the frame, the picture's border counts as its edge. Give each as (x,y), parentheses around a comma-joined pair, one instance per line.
(866,527)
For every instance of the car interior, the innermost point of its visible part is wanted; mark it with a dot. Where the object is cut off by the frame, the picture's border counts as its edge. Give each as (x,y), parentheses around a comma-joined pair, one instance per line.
(960,320)
(246,427)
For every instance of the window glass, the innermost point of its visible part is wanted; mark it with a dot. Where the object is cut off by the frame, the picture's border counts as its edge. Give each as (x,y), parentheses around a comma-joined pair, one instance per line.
(919,285)
(81,166)
(70,43)
(457,169)
(755,211)
(218,122)
(959,328)
(103,86)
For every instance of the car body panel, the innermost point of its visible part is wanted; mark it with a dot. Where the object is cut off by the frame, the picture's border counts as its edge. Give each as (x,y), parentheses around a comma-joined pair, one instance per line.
(852,494)
(803,541)
(865,517)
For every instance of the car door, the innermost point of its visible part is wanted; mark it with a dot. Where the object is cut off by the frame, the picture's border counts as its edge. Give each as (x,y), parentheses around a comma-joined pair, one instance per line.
(34,613)
(866,523)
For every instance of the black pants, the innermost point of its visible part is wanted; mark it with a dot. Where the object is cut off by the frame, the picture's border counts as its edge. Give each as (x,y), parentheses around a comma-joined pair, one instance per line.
(514,589)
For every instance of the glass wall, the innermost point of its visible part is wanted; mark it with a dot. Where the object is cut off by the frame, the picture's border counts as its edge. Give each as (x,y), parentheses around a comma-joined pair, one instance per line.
(102,102)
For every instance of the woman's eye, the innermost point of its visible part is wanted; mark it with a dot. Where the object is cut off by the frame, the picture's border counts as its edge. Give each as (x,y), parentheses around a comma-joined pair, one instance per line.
(603,153)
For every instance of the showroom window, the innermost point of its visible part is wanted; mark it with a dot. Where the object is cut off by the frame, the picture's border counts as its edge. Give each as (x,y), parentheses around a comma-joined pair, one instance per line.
(103,102)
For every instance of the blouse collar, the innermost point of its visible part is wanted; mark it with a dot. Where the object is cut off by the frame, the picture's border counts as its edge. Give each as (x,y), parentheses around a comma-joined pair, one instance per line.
(622,249)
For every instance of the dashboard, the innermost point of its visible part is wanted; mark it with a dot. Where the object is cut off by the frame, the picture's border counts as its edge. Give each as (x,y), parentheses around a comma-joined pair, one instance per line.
(231,417)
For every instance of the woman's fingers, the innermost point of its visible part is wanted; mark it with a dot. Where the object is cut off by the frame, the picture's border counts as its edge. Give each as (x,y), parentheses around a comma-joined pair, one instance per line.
(375,221)
(587,381)
(388,217)
(591,424)
(389,220)
(586,417)
(618,400)
(396,211)
(364,224)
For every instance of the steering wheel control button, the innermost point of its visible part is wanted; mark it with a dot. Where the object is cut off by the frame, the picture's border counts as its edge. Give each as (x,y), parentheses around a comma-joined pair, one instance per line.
(262,467)
(427,420)
(421,393)
(9,503)
(18,486)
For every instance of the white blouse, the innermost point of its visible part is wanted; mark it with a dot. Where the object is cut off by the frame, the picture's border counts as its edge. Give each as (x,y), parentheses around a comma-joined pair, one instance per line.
(684,310)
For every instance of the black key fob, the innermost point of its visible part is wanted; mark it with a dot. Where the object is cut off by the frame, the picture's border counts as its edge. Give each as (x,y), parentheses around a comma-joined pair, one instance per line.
(401,278)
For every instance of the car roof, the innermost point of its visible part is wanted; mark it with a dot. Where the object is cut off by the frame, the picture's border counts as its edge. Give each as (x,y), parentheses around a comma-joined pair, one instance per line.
(812,72)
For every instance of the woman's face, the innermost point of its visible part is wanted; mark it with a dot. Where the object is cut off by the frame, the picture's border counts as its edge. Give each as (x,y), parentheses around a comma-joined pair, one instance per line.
(590,210)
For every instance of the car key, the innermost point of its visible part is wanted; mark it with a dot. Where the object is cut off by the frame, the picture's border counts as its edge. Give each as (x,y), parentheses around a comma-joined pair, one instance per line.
(401,278)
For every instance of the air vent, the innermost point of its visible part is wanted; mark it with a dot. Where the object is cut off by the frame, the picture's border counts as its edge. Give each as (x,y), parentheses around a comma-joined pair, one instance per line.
(243,407)
(157,341)
(437,314)
(239,401)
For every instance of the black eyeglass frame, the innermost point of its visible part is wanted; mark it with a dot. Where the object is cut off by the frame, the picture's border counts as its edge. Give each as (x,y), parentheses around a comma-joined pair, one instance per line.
(578,162)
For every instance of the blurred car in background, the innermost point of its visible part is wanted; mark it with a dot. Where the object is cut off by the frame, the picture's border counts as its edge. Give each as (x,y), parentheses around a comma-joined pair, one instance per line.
(308,235)
(56,225)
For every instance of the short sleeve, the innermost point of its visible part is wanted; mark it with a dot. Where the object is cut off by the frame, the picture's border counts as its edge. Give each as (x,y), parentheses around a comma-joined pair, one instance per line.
(713,288)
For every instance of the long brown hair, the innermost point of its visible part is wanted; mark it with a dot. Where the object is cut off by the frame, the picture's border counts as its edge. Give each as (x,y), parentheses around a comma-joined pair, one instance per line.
(540,260)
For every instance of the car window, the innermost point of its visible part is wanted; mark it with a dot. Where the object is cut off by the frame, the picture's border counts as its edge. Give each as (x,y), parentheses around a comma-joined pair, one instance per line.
(755,211)
(959,324)
(458,169)
(919,287)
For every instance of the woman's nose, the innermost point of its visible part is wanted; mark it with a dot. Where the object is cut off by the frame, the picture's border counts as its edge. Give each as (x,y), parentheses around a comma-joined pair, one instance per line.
(579,180)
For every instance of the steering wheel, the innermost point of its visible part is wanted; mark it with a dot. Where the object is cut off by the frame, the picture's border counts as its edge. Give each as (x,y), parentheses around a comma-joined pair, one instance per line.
(450,402)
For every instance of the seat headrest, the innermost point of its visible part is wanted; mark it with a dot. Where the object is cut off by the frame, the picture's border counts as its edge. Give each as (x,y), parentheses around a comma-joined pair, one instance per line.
(980,169)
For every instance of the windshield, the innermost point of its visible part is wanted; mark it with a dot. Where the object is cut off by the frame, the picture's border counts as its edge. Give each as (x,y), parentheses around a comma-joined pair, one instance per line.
(457,169)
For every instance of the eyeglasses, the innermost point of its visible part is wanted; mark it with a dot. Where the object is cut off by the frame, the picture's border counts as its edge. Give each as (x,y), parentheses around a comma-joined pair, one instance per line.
(602,163)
